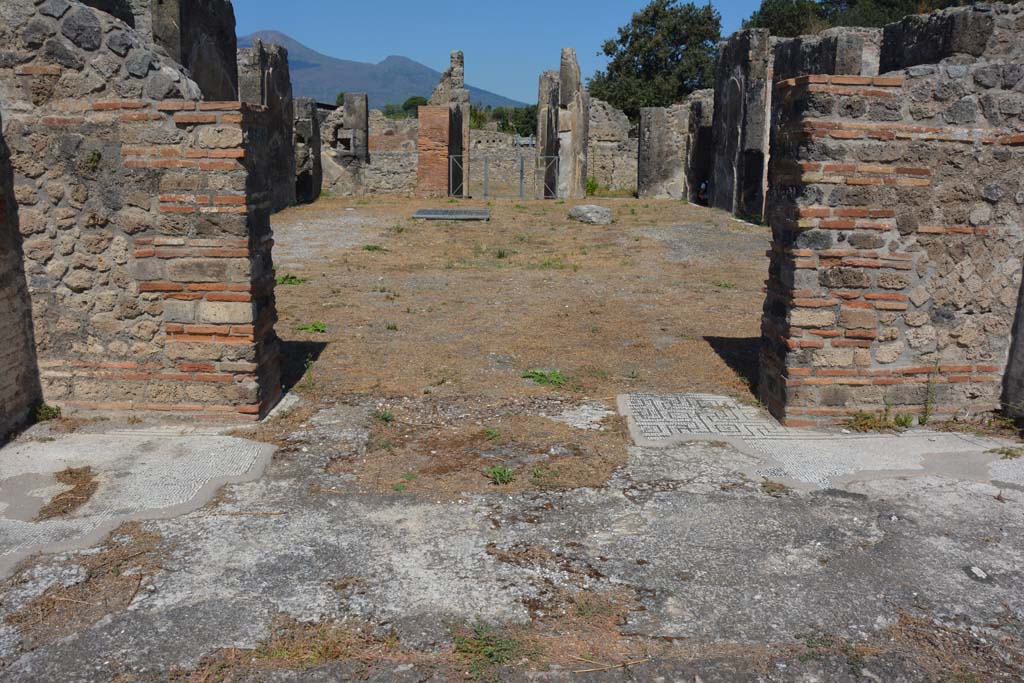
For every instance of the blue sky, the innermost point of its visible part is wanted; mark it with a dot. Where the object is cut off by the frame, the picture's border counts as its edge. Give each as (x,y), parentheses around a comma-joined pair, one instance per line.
(507,44)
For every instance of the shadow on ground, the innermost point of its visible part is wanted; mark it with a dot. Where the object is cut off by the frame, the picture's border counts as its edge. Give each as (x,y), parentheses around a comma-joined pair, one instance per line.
(296,356)
(742,355)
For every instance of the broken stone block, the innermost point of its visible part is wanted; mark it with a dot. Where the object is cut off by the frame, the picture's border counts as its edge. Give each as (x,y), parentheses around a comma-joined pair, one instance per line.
(591,214)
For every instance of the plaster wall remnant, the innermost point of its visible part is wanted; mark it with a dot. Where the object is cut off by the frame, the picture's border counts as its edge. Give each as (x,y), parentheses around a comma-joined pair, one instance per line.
(547,133)
(20,390)
(438,124)
(573,128)
(741,122)
(674,156)
(896,215)
(451,91)
(265,79)
(309,174)
(611,148)
(144,212)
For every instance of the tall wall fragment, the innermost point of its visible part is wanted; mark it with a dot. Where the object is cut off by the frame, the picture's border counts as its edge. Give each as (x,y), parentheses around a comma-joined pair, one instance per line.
(573,128)
(837,51)
(674,158)
(145,222)
(345,145)
(309,173)
(437,126)
(611,148)
(20,390)
(452,91)
(265,79)
(547,133)
(741,123)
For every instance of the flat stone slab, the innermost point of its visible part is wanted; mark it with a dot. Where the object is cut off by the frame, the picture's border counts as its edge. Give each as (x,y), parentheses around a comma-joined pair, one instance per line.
(146,474)
(452,215)
(815,459)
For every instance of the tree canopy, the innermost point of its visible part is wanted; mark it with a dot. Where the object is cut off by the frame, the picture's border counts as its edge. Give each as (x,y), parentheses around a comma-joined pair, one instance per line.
(797,17)
(665,52)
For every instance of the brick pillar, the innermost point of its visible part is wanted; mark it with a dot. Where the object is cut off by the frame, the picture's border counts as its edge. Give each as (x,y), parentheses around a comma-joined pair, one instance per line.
(434,142)
(896,246)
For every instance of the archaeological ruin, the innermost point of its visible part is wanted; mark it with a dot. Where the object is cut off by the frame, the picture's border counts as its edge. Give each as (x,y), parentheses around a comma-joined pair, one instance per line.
(142,155)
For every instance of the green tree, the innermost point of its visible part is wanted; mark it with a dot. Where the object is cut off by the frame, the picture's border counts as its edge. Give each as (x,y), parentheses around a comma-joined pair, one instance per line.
(666,52)
(788,17)
(411,106)
(340,99)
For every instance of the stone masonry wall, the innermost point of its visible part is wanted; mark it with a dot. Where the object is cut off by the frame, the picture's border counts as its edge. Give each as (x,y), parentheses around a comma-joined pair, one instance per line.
(837,51)
(611,148)
(309,172)
(265,79)
(19,372)
(433,146)
(451,90)
(674,158)
(740,130)
(145,222)
(896,259)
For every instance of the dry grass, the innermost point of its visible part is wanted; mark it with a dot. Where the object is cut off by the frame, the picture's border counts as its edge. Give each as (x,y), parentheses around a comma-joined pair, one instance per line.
(112,579)
(82,481)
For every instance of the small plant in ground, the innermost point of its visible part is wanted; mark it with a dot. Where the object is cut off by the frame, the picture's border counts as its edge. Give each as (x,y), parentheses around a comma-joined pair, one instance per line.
(289,280)
(392,327)
(1008,452)
(553,378)
(492,434)
(500,475)
(373,247)
(552,264)
(592,187)
(903,421)
(92,160)
(326,194)
(725,284)
(398,229)
(400,488)
(878,422)
(316,326)
(483,649)
(501,253)
(774,488)
(409,476)
(44,412)
(384,415)
(519,206)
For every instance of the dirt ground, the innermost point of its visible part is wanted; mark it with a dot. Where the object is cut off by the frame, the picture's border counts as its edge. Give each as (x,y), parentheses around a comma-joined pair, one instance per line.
(439,321)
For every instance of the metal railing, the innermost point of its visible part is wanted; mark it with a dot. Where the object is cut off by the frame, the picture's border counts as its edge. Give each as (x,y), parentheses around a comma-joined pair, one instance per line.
(512,176)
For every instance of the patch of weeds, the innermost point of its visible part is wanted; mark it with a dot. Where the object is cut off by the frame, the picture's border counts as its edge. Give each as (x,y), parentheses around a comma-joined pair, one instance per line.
(44,412)
(632,211)
(308,376)
(592,186)
(398,229)
(903,421)
(878,422)
(552,378)
(544,477)
(500,475)
(725,284)
(520,206)
(492,434)
(316,326)
(555,263)
(326,194)
(289,280)
(92,160)
(774,488)
(484,649)
(400,487)
(817,644)
(501,253)
(409,476)
(392,327)
(373,247)
(384,415)
(1008,452)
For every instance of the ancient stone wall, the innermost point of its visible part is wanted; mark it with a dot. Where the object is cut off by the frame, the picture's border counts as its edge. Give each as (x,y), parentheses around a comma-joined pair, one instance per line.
(437,126)
(347,137)
(547,133)
(896,260)
(741,123)
(145,222)
(309,172)
(837,51)
(265,79)
(451,91)
(19,372)
(674,157)
(573,128)
(499,160)
(611,148)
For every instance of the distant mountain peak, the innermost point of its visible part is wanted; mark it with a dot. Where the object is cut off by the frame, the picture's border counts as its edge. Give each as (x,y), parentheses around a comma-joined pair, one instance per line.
(391,81)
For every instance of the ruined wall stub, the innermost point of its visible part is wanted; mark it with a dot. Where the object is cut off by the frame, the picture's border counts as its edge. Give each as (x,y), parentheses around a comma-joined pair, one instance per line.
(675,148)
(265,79)
(897,244)
(437,126)
(611,148)
(309,174)
(838,51)
(451,90)
(145,217)
(345,140)
(547,133)
(20,390)
(573,128)
(741,122)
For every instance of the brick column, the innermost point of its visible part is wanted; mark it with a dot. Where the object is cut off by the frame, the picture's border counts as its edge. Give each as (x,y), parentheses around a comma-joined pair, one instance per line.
(434,142)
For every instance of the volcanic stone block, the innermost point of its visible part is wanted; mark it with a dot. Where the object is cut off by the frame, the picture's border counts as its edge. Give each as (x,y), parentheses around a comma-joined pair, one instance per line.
(930,38)
(740,129)
(309,173)
(199,35)
(611,147)
(852,51)
(264,79)
(573,128)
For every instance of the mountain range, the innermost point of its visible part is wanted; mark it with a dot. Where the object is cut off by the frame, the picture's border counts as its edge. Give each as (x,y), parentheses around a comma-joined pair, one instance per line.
(392,81)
